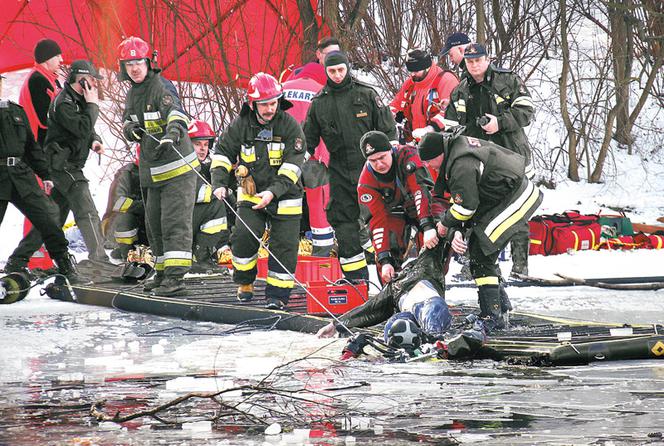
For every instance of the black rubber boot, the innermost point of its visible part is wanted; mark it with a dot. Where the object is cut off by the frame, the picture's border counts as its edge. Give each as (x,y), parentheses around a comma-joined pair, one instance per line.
(121,252)
(206,260)
(153,282)
(520,245)
(275,304)
(170,286)
(245,293)
(67,268)
(16,265)
(490,307)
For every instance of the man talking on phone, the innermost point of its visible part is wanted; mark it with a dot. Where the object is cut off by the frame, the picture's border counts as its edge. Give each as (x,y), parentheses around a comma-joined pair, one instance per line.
(70,138)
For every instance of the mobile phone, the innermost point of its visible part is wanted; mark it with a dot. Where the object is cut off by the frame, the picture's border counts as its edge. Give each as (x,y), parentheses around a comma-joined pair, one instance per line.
(84,83)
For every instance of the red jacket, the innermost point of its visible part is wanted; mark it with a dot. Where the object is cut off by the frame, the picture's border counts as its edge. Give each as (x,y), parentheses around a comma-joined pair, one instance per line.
(299,90)
(406,195)
(423,103)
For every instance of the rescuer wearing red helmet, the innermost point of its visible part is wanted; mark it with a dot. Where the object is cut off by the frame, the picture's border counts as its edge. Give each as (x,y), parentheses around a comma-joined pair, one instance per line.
(268,145)
(154,117)
(210,224)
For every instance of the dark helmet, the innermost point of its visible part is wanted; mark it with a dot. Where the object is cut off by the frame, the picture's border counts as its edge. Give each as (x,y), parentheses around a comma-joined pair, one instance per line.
(402,331)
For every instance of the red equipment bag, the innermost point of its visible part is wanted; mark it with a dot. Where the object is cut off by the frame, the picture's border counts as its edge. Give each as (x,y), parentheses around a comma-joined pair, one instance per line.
(560,233)
(336,298)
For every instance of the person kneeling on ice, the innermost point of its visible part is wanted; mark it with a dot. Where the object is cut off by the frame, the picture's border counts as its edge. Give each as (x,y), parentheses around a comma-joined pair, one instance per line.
(394,189)
(413,305)
(491,199)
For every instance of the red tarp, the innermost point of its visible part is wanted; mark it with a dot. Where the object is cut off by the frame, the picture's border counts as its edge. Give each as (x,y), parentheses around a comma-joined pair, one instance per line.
(210,41)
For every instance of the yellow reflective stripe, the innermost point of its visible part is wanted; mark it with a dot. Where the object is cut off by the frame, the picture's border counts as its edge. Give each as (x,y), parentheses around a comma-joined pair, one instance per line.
(491,280)
(159,263)
(498,98)
(354,266)
(126,240)
(523,101)
(460,105)
(290,207)
(221,161)
(204,194)
(248,154)
(177,115)
(177,258)
(461,213)
(281,280)
(214,226)
(122,204)
(291,171)
(515,216)
(246,197)
(535,242)
(174,169)
(244,264)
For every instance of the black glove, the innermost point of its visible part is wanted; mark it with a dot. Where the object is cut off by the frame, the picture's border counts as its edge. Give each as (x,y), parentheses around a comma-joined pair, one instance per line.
(170,138)
(132,131)
(399,117)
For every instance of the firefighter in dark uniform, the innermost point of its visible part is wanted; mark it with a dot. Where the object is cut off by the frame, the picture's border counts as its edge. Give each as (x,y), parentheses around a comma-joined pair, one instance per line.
(494,104)
(395,189)
(491,198)
(125,213)
(268,146)
(341,113)
(210,224)
(70,137)
(154,117)
(19,155)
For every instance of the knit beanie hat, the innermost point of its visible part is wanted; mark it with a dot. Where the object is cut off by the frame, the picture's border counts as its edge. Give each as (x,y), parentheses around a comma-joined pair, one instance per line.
(430,146)
(336,58)
(374,142)
(418,60)
(45,49)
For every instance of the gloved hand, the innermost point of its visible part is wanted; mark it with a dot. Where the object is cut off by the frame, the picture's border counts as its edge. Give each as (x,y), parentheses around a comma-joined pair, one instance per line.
(430,238)
(419,133)
(399,117)
(132,131)
(170,138)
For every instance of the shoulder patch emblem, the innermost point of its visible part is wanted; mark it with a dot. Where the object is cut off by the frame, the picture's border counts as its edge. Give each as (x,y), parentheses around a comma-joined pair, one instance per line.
(167,100)
(299,145)
(365,198)
(458,199)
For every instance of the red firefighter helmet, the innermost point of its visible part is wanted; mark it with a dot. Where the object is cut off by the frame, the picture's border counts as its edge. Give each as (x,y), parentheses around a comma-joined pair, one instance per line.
(200,130)
(133,48)
(263,88)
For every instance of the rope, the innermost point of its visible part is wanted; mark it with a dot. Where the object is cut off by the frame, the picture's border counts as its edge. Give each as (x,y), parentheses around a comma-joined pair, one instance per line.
(259,239)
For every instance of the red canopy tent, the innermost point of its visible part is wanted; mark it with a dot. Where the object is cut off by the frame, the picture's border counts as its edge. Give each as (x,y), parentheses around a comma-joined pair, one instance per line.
(213,41)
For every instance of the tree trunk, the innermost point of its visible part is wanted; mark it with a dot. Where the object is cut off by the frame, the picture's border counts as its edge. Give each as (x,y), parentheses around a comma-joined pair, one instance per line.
(481,22)
(622,44)
(596,176)
(573,167)
(310,30)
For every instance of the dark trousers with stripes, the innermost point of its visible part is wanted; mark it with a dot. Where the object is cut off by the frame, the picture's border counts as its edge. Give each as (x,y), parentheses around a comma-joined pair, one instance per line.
(283,244)
(168,216)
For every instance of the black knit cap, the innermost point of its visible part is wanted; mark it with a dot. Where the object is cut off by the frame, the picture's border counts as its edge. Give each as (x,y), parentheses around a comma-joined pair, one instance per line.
(418,60)
(45,49)
(374,142)
(336,58)
(430,146)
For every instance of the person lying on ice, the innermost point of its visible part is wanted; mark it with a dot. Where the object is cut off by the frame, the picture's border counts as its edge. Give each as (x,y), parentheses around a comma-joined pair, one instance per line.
(413,302)
(491,199)
(395,191)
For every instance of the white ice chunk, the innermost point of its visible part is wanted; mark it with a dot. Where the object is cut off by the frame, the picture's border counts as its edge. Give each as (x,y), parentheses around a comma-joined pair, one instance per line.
(273,429)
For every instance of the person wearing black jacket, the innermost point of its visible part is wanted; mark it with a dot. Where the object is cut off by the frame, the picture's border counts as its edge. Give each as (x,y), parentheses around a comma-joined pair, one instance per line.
(20,158)
(70,138)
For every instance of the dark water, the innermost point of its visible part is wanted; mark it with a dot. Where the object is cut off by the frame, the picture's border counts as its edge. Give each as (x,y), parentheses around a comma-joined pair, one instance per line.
(58,359)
